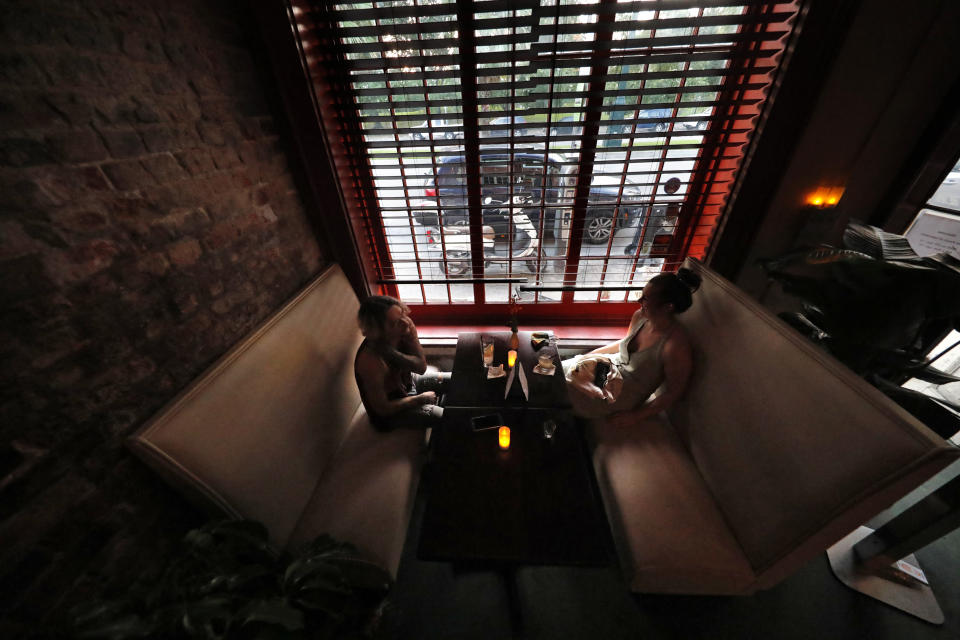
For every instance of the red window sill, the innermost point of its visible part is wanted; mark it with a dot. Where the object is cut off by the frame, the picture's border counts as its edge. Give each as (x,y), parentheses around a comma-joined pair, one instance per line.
(578,333)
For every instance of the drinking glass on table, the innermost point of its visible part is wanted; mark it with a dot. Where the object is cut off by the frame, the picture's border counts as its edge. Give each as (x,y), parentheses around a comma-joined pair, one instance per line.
(545,361)
(486,344)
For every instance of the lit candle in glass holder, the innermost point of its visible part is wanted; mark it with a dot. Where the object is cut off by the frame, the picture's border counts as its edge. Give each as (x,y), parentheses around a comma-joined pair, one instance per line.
(504,437)
(511,357)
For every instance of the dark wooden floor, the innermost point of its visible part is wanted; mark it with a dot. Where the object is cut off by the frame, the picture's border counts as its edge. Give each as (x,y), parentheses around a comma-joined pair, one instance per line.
(432,600)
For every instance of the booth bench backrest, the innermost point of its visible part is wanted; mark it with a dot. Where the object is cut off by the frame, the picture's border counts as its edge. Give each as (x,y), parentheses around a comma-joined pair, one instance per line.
(291,379)
(796,449)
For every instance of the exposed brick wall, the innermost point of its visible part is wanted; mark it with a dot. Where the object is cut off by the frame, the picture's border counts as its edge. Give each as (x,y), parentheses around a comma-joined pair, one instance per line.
(148,221)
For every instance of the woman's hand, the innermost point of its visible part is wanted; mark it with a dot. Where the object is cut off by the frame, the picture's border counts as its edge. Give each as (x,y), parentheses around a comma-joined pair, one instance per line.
(427,397)
(622,419)
(591,390)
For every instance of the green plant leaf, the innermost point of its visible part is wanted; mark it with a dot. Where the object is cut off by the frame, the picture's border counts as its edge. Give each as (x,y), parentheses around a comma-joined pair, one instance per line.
(323,546)
(127,626)
(226,545)
(332,583)
(217,583)
(363,574)
(199,539)
(209,618)
(311,569)
(251,530)
(251,576)
(332,604)
(97,612)
(230,578)
(276,611)
(244,533)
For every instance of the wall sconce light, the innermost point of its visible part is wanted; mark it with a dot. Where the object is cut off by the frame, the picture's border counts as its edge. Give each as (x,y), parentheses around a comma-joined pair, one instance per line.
(825,197)
(504,437)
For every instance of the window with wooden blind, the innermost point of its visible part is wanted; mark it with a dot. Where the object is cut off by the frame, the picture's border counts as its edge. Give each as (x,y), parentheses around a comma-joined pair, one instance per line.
(568,150)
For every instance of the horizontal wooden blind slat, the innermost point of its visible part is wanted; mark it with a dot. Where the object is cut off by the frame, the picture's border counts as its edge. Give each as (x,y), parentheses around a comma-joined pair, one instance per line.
(388,88)
(537,26)
(521,146)
(345,13)
(537,47)
(392,74)
(559,95)
(419,117)
(585,86)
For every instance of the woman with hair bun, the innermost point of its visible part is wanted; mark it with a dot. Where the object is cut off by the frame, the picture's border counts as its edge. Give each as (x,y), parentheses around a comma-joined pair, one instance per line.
(656,350)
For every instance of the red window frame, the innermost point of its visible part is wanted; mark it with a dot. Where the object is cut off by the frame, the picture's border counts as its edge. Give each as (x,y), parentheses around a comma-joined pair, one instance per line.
(723,153)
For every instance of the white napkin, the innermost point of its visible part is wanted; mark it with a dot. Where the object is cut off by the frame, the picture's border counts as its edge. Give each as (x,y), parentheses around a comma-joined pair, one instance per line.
(509,382)
(523,382)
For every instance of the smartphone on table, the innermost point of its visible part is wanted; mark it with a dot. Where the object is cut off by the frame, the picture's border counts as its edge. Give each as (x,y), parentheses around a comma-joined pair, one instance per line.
(488,421)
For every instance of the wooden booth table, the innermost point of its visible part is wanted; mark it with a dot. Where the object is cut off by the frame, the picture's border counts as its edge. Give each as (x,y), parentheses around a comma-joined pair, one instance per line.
(471,388)
(535,503)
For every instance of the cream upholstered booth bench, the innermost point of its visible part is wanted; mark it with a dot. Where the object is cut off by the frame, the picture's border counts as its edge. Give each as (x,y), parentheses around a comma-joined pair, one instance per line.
(275,431)
(775,452)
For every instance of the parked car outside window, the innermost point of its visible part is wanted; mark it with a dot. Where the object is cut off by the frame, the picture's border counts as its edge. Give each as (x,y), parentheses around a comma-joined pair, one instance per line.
(440,129)
(695,125)
(504,126)
(520,127)
(648,114)
(564,127)
(527,178)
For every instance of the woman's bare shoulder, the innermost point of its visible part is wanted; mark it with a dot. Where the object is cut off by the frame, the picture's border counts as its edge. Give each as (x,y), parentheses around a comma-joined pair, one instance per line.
(679,340)
(635,320)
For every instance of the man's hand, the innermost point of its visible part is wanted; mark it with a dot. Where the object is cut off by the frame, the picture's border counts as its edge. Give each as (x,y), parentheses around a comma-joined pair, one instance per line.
(411,332)
(622,419)
(409,353)
(427,397)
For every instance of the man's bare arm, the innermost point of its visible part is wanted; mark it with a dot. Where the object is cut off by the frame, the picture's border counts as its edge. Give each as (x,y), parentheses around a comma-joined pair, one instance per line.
(409,355)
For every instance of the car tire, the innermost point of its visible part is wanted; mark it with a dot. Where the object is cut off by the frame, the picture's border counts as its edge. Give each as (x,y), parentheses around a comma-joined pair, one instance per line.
(598,228)
(456,269)
(448,135)
(661,127)
(457,264)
